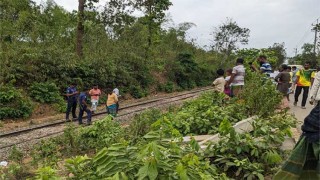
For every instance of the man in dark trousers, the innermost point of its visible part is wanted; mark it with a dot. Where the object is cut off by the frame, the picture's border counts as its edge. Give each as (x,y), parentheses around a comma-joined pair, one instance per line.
(304,81)
(84,107)
(72,95)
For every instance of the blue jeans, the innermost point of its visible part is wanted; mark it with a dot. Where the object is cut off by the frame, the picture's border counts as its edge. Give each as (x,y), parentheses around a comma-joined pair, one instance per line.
(83,109)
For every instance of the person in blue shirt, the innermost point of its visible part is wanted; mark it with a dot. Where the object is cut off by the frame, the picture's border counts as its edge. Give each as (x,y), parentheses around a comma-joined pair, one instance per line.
(72,95)
(84,107)
(265,66)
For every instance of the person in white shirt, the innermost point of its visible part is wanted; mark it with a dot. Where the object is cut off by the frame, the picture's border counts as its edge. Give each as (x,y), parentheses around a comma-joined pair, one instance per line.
(219,83)
(237,78)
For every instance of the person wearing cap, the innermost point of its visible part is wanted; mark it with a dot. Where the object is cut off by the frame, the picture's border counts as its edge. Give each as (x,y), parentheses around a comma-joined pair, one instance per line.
(95,93)
(84,107)
(72,95)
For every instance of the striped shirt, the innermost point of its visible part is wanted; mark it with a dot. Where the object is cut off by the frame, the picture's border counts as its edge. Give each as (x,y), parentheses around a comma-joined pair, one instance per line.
(266,68)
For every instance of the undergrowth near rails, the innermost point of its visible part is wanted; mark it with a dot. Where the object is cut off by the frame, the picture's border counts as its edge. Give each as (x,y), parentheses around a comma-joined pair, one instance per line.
(151,147)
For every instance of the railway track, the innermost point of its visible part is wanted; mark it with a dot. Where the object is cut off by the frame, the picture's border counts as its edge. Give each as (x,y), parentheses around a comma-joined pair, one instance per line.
(42,131)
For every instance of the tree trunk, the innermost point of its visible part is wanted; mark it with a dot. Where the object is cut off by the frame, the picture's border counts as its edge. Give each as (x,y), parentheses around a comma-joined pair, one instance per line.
(80,29)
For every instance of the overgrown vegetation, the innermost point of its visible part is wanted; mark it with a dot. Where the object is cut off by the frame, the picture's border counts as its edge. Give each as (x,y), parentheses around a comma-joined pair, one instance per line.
(113,48)
(13,104)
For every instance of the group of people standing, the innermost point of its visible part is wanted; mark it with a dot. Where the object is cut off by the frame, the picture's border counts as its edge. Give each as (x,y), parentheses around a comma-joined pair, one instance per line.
(74,97)
(234,81)
(295,80)
(288,80)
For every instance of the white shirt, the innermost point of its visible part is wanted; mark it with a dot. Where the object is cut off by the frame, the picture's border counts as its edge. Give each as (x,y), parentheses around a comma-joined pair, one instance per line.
(218,84)
(239,72)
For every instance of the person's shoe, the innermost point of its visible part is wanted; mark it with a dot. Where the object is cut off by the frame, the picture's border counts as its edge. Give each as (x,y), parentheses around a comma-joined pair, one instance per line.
(68,120)
(295,103)
(303,107)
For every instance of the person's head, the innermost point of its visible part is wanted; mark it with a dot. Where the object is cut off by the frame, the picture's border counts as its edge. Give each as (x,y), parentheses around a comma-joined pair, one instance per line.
(240,61)
(283,67)
(73,85)
(306,65)
(95,86)
(86,90)
(229,72)
(318,68)
(262,58)
(109,91)
(289,69)
(220,72)
(294,68)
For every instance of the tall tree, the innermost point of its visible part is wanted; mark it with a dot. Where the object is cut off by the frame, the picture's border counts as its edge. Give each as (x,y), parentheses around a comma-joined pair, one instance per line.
(80,28)
(154,11)
(228,36)
(117,14)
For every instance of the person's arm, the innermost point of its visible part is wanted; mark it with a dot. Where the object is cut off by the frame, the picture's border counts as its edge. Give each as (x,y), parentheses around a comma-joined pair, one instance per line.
(278,77)
(215,82)
(84,102)
(315,87)
(115,98)
(231,79)
(312,78)
(71,94)
(298,77)
(254,68)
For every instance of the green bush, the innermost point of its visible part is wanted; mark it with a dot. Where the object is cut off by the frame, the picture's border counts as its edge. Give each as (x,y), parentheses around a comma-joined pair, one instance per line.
(137,92)
(101,134)
(13,104)
(45,92)
(141,124)
(260,95)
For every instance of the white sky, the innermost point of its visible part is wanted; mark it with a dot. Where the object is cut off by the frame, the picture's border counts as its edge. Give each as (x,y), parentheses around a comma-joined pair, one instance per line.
(269,21)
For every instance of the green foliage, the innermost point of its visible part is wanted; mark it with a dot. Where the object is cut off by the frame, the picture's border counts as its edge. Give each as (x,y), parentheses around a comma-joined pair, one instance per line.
(101,134)
(118,48)
(45,92)
(46,173)
(141,124)
(275,54)
(78,166)
(228,35)
(260,95)
(251,155)
(203,115)
(137,92)
(167,87)
(13,104)
(13,171)
(47,152)
(15,155)
(153,160)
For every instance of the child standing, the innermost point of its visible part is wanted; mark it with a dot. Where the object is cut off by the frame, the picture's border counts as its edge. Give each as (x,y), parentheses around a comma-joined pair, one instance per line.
(219,83)
(227,89)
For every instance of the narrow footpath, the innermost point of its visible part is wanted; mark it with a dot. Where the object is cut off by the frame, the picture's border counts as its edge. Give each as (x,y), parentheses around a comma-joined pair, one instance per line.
(299,113)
